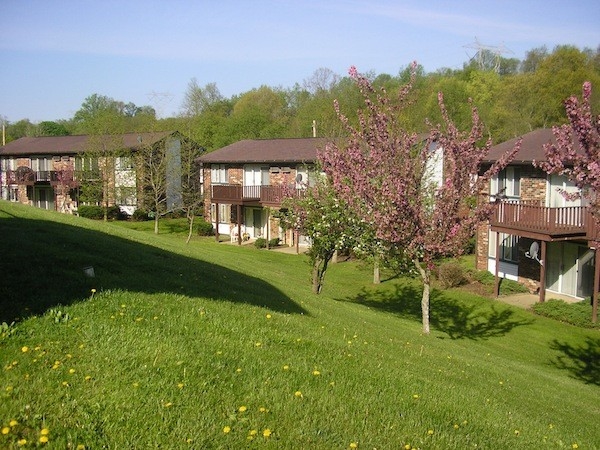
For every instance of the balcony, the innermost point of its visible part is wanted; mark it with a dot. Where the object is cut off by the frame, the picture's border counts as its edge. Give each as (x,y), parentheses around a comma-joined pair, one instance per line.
(263,195)
(542,222)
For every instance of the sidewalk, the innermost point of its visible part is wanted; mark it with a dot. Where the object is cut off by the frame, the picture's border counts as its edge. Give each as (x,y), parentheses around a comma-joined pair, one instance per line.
(526,301)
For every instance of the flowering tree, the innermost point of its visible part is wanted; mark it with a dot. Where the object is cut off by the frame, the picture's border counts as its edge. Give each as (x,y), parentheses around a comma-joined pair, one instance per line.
(324,219)
(385,174)
(576,155)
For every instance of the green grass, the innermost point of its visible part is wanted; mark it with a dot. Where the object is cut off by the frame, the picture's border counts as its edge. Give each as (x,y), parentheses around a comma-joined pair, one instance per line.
(180,343)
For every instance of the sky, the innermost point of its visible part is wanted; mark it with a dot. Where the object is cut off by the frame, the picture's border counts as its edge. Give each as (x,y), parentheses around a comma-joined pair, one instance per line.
(56,53)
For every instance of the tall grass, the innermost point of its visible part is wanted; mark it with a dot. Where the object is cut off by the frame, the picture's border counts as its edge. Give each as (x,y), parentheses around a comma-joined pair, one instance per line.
(217,346)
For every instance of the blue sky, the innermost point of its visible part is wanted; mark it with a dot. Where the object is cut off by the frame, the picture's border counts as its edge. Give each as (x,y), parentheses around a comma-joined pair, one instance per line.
(55,53)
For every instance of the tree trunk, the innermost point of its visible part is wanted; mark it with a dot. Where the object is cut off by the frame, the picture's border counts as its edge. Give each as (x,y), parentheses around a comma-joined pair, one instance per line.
(156,223)
(426,277)
(376,274)
(318,272)
(190,231)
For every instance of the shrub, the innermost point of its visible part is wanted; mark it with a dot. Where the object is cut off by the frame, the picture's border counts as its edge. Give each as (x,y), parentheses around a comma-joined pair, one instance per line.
(91,212)
(273,242)
(140,215)
(260,243)
(578,314)
(451,274)
(205,228)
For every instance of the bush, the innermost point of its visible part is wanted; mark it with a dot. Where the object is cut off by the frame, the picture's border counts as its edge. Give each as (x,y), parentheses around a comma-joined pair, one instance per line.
(451,274)
(273,242)
(204,228)
(140,215)
(578,314)
(260,243)
(96,212)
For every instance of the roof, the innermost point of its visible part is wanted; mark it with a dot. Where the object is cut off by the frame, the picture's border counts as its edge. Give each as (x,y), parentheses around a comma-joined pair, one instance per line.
(67,145)
(532,147)
(267,150)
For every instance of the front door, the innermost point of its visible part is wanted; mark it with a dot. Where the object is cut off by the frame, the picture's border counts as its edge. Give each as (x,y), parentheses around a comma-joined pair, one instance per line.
(257,222)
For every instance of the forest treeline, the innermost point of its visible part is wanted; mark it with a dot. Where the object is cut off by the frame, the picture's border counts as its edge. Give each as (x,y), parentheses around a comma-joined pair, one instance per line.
(513,97)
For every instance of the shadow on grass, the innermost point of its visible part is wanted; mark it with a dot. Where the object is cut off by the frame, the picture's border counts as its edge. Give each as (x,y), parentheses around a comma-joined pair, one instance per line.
(455,318)
(42,262)
(583,362)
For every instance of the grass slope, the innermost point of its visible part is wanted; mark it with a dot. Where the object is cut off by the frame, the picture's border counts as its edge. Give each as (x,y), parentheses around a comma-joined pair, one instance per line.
(214,346)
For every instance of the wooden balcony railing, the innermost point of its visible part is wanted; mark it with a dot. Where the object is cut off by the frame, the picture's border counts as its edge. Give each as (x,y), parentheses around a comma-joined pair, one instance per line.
(566,221)
(55,177)
(267,195)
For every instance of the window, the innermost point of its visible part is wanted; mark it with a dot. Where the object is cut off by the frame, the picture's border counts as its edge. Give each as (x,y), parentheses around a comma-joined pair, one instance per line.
(507,183)
(126,196)
(224,213)
(124,163)
(86,163)
(218,174)
(9,164)
(509,247)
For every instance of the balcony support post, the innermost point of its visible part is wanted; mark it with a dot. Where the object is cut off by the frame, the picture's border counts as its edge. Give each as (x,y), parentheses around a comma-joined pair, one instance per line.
(217,222)
(543,273)
(596,285)
(497,278)
(239,223)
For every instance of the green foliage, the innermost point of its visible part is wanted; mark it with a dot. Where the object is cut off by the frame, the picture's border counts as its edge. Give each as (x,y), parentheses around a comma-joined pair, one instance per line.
(507,286)
(274,242)
(204,228)
(578,314)
(97,212)
(140,215)
(260,243)
(451,274)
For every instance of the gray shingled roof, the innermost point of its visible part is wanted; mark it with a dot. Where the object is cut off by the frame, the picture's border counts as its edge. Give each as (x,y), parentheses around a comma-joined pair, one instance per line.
(68,145)
(267,150)
(532,147)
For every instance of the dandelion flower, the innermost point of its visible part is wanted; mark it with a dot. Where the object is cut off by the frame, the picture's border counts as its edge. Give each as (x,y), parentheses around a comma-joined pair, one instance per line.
(286,367)
(353,445)
(415,396)
(226,429)
(517,432)
(316,373)
(407,447)
(267,433)
(253,432)
(242,408)
(93,291)
(25,349)
(87,378)
(80,447)
(574,445)
(456,426)
(238,370)
(71,371)
(258,344)
(13,423)
(22,442)
(43,439)
(429,432)
(268,316)
(5,430)
(298,394)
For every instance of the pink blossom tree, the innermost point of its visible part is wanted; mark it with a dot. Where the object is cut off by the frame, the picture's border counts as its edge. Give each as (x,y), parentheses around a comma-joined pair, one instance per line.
(576,155)
(386,175)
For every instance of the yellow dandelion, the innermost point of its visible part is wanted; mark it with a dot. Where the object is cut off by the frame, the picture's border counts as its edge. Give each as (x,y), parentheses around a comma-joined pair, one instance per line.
(226,429)
(262,409)
(13,423)
(238,370)
(353,445)
(268,316)
(517,432)
(456,426)
(93,291)
(407,447)
(22,442)
(551,426)
(168,405)
(267,433)
(180,385)
(298,394)
(80,447)
(65,384)
(135,385)
(316,373)
(415,396)
(43,439)
(574,445)
(45,432)
(87,378)
(286,367)
(25,349)
(71,371)
(258,344)
(429,432)
(242,408)
(5,430)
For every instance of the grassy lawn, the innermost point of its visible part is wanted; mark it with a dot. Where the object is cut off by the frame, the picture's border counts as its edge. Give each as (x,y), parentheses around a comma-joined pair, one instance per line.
(215,346)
